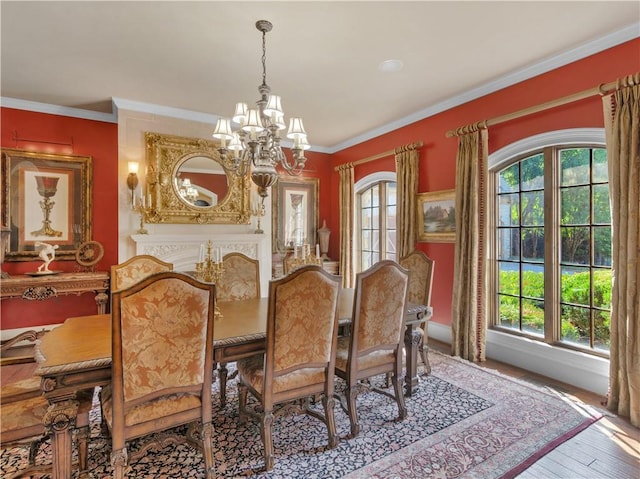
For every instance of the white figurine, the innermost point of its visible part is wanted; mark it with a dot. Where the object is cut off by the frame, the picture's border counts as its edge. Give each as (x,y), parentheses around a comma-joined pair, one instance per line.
(47,254)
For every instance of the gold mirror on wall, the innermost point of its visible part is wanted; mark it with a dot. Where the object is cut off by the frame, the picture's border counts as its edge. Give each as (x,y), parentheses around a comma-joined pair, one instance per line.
(187,183)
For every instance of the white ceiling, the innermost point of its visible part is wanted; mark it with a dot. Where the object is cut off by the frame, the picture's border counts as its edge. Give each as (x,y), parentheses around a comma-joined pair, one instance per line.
(322,57)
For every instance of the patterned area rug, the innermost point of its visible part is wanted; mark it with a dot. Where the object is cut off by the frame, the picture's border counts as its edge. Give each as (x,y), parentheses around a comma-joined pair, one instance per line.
(463,422)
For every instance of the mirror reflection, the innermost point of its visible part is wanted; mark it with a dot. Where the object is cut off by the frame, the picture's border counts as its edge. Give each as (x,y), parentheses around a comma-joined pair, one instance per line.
(201,181)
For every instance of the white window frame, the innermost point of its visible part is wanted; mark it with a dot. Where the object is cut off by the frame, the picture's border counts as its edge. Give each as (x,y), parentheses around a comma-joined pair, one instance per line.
(359,186)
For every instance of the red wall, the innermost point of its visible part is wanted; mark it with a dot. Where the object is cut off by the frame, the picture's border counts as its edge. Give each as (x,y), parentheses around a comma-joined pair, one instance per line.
(437,165)
(65,135)
(438,155)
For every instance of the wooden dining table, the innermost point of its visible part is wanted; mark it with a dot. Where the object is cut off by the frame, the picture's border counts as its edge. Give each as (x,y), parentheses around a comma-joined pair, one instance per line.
(76,356)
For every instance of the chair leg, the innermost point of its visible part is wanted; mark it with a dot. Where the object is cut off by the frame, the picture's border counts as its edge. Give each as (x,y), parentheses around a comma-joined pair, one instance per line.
(242,403)
(267,439)
(329,404)
(424,350)
(223,384)
(207,451)
(352,411)
(397,388)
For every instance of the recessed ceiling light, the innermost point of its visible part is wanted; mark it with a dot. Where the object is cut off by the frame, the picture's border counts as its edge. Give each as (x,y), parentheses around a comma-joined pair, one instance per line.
(391,66)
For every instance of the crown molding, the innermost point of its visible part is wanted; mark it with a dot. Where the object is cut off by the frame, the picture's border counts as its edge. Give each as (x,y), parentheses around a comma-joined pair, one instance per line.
(37,107)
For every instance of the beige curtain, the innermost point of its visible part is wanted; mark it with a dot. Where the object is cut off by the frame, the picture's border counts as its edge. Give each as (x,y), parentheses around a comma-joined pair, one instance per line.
(622,125)
(407,164)
(346,224)
(469,320)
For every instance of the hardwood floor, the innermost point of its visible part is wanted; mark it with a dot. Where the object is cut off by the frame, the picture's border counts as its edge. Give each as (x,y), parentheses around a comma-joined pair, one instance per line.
(608,449)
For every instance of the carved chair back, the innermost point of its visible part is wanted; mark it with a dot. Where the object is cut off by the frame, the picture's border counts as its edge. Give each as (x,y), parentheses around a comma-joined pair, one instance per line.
(241,278)
(162,346)
(420,268)
(135,269)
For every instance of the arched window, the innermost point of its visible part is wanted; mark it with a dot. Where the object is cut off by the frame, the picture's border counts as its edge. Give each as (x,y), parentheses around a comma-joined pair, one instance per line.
(375,219)
(551,237)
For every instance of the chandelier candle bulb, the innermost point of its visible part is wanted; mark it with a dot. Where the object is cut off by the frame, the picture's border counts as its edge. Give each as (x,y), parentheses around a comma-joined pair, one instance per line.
(317,250)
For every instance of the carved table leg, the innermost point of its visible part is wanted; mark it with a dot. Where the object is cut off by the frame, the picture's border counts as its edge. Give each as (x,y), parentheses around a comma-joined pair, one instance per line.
(60,420)
(411,347)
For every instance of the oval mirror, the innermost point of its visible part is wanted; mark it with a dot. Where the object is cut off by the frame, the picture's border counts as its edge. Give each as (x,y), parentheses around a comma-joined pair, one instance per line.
(201,181)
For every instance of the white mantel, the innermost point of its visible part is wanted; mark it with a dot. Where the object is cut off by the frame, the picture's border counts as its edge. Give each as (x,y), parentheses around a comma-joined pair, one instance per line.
(183,250)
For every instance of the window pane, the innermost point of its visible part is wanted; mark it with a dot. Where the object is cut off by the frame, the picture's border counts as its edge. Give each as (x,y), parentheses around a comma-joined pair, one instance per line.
(602,288)
(509,244)
(575,245)
(600,172)
(365,198)
(602,324)
(375,195)
(575,285)
(575,206)
(575,325)
(391,193)
(509,312)
(375,240)
(601,205)
(533,244)
(509,282)
(575,166)
(533,173)
(391,217)
(375,257)
(366,260)
(375,218)
(533,280)
(533,209)
(365,219)
(602,245)
(391,243)
(509,179)
(509,210)
(366,240)
(533,316)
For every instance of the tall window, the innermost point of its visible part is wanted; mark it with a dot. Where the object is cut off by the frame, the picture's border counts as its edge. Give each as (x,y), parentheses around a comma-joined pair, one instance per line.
(552,241)
(376,206)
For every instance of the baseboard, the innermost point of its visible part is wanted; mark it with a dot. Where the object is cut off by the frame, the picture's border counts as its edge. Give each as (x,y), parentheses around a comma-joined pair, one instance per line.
(581,370)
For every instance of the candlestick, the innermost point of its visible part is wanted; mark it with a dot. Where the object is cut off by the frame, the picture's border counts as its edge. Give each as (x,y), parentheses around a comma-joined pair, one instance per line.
(209,270)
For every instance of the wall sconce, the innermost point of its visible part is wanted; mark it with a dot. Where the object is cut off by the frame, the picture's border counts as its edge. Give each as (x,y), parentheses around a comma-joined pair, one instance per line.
(132,179)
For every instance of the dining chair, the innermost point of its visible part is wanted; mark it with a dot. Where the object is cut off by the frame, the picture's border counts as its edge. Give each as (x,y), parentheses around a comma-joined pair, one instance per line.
(420,268)
(136,269)
(162,357)
(240,280)
(377,336)
(301,336)
(24,407)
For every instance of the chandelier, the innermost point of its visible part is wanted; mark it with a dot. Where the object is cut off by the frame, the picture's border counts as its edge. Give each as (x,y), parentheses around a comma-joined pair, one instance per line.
(255,145)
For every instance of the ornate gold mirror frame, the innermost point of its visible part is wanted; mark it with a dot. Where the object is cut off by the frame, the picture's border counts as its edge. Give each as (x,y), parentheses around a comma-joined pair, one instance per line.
(165,155)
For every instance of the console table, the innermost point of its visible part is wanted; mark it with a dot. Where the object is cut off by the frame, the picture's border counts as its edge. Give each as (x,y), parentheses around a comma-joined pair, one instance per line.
(38,288)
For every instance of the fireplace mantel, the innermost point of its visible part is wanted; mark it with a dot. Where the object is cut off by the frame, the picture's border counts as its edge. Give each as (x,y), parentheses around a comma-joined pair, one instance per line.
(183,250)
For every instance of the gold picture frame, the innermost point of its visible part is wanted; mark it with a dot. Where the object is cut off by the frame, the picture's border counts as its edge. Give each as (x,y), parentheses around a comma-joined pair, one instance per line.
(46,198)
(295,213)
(436,217)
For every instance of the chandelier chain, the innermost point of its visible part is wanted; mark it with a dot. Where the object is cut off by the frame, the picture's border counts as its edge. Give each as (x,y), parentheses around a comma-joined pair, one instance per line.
(264,58)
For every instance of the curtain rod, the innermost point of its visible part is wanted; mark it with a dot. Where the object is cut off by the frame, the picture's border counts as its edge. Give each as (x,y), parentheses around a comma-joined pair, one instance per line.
(410,146)
(602,89)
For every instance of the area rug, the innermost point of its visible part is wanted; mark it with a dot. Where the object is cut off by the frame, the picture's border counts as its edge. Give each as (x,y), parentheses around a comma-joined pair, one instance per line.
(463,421)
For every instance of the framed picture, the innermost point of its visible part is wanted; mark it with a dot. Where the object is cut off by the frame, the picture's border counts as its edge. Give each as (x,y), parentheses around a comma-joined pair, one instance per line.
(437,216)
(46,198)
(295,213)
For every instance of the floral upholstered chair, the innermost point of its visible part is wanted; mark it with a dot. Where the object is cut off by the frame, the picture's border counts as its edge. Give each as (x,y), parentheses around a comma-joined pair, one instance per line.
(23,409)
(241,280)
(162,347)
(420,268)
(377,335)
(136,269)
(302,327)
